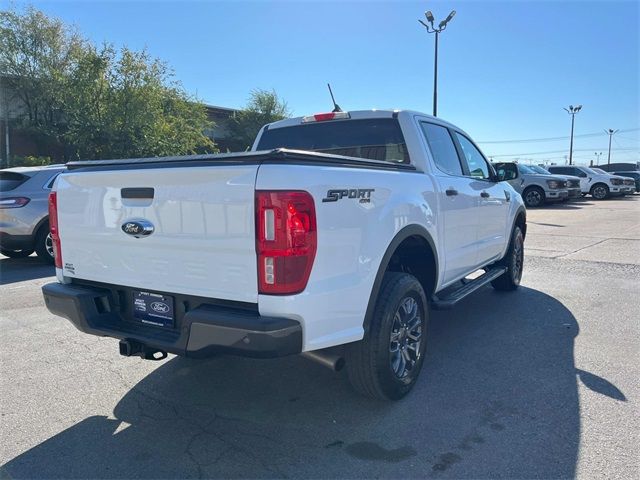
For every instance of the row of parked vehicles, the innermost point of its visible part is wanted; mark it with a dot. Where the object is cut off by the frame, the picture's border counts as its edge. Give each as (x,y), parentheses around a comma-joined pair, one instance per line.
(539,185)
(25,231)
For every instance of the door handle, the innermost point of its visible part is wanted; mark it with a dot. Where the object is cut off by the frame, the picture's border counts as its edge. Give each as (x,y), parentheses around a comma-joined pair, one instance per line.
(451,192)
(485,195)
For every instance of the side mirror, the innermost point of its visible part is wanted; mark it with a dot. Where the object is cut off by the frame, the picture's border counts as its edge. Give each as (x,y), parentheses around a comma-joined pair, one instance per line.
(506,171)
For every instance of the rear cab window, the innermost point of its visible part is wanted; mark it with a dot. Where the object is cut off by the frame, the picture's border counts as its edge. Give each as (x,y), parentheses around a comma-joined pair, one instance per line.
(11,180)
(373,139)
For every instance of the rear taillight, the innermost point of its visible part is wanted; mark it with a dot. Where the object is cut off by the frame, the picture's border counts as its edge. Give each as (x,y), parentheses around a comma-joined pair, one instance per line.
(13,202)
(53,227)
(286,240)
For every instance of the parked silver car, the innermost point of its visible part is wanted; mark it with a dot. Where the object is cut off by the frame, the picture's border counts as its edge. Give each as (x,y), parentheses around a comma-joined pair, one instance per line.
(573,183)
(537,189)
(24,212)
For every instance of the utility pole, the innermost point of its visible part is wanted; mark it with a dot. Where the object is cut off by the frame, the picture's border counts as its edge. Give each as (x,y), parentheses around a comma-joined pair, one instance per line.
(572,111)
(611,133)
(437,31)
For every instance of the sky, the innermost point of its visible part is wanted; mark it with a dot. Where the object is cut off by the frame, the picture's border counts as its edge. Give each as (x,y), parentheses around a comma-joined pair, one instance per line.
(506,69)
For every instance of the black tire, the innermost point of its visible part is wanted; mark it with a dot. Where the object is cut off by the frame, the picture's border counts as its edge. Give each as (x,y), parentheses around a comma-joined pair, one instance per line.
(599,191)
(44,249)
(16,253)
(533,197)
(380,365)
(514,261)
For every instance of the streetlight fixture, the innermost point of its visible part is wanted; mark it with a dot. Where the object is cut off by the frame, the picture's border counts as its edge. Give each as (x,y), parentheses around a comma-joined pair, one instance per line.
(598,155)
(611,133)
(431,29)
(572,111)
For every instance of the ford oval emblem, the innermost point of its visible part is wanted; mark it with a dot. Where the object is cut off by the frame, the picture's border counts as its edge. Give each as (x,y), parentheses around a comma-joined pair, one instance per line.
(138,228)
(160,307)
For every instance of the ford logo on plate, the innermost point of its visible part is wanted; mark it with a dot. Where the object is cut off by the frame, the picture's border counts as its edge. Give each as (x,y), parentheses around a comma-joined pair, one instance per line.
(160,307)
(138,228)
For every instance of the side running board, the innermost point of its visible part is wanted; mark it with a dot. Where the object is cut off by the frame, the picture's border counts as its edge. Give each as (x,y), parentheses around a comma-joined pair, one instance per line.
(454,295)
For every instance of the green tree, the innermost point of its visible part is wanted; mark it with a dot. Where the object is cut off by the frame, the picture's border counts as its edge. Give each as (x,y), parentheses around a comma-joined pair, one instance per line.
(37,54)
(264,107)
(96,102)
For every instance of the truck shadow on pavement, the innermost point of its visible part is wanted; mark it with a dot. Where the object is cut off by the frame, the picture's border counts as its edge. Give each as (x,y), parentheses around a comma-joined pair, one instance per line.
(498,397)
(14,270)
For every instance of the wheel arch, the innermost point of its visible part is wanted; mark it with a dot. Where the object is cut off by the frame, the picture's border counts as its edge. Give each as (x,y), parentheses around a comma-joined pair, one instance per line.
(411,239)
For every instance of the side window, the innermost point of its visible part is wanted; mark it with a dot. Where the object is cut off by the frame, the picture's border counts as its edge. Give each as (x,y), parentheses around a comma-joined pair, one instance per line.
(478,166)
(577,172)
(442,148)
(49,185)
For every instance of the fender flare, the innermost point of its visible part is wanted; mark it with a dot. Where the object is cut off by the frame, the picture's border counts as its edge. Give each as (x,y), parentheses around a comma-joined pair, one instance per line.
(413,230)
(521,210)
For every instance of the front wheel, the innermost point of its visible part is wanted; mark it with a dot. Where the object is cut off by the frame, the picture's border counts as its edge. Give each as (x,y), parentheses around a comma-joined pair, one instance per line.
(533,197)
(600,191)
(386,363)
(514,261)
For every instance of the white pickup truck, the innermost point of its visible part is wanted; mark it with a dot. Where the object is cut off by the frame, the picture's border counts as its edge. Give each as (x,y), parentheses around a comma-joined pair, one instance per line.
(339,230)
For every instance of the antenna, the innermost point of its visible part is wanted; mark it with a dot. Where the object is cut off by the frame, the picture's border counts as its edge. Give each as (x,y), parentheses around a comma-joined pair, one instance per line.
(336,107)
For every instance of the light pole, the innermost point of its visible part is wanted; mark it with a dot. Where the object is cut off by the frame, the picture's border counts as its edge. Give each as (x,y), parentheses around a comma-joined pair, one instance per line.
(431,29)
(598,155)
(611,133)
(572,111)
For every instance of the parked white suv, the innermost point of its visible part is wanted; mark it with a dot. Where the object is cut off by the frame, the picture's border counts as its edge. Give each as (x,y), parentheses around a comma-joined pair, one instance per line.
(598,185)
(283,250)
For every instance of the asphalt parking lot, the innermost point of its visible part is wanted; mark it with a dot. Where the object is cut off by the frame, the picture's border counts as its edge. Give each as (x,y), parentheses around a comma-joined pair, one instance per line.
(542,382)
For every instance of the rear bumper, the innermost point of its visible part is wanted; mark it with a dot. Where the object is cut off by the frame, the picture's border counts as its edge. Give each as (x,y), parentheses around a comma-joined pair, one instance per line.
(201,332)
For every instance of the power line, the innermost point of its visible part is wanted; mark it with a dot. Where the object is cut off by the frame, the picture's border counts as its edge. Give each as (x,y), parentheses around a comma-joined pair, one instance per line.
(556,151)
(548,139)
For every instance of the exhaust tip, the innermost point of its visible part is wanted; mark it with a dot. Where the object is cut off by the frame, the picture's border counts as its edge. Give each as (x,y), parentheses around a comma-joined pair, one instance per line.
(331,361)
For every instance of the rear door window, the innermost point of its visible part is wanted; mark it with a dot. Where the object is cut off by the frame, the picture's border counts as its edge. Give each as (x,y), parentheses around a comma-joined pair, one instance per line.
(443,150)
(374,139)
(11,180)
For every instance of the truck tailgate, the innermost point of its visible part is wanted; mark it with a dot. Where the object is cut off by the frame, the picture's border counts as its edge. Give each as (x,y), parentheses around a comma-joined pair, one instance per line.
(203,240)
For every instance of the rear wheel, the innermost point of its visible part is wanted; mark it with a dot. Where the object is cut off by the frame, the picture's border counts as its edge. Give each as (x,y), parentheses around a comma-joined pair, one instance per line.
(44,244)
(514,261)
(16,253)
(386,363)
(600,191)
(533,197)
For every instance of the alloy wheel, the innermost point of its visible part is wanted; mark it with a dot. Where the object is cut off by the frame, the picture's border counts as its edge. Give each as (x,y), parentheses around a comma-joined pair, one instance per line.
(48,244)
(517,260)
(406,337)
(533,198)
(600,193)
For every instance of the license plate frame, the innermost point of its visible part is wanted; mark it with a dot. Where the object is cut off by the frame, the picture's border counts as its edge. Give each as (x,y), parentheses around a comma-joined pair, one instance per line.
(153,309)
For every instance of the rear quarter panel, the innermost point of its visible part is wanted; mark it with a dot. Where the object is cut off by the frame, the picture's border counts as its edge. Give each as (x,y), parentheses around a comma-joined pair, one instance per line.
(352,239)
